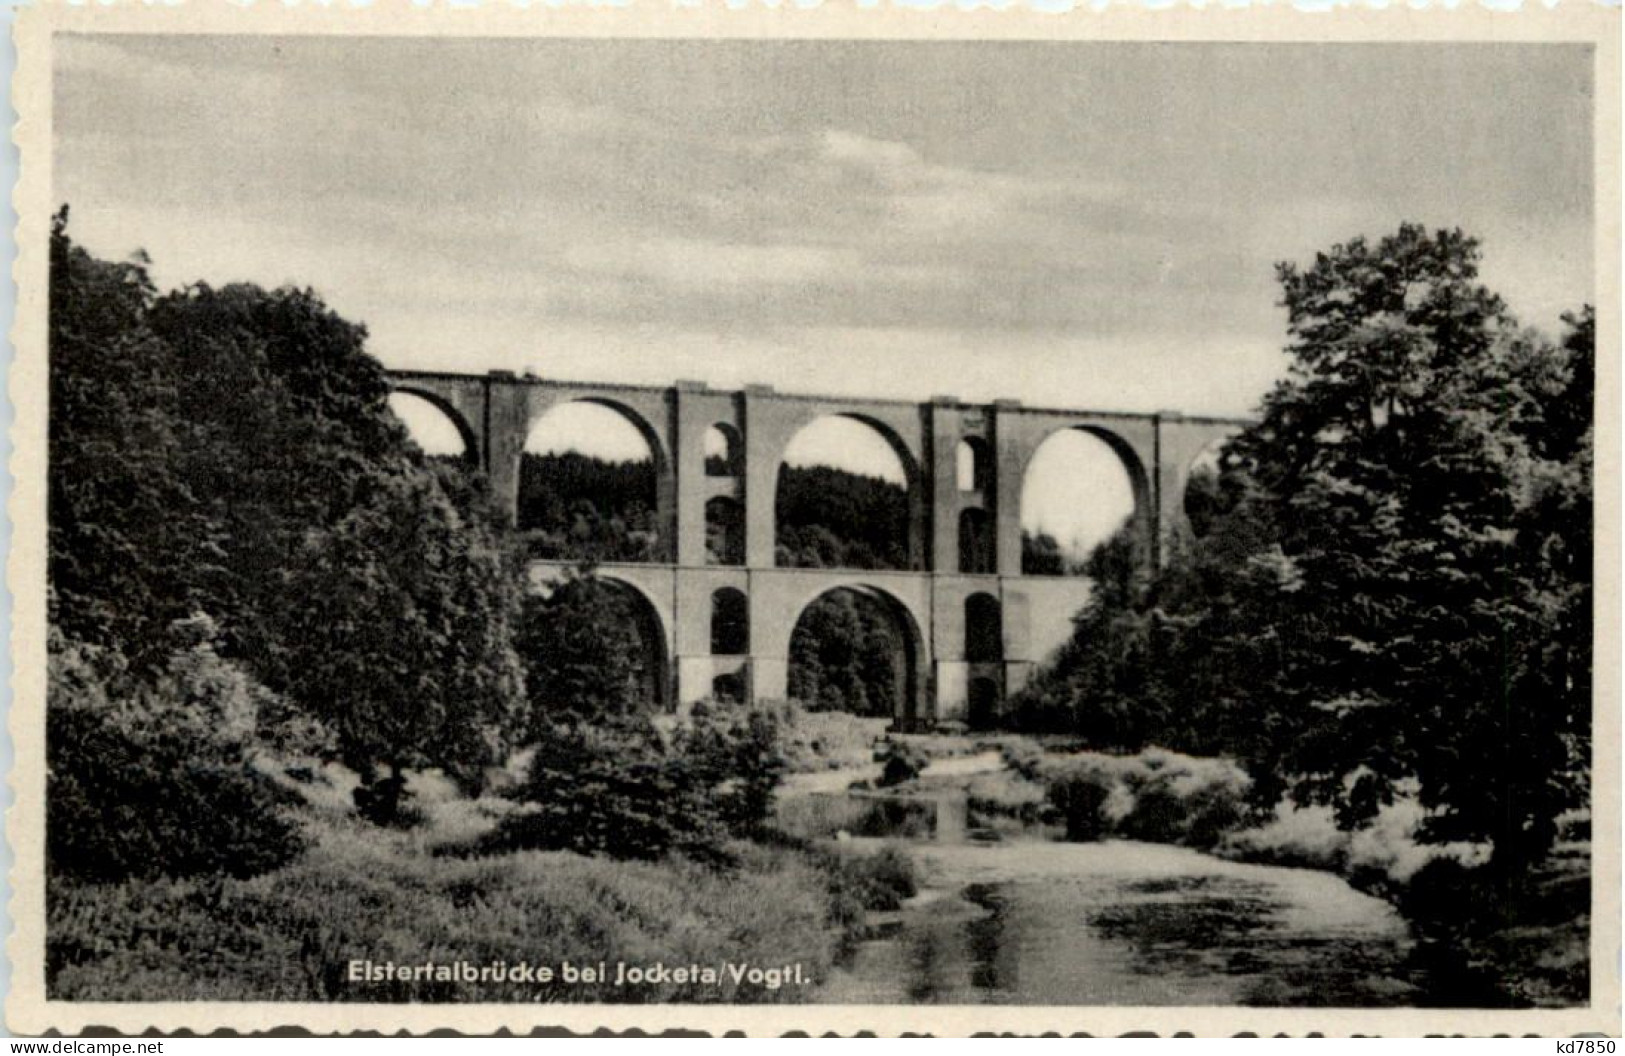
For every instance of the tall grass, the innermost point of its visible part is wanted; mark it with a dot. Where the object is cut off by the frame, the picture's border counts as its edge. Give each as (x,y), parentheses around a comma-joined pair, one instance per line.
(365,894)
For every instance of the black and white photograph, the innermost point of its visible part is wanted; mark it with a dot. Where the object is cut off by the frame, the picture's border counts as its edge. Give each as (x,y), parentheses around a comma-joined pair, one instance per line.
(911,522)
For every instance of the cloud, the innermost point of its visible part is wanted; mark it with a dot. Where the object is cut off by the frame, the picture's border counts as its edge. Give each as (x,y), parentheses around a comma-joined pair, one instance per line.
(582,211)
(481,203)
(690,264)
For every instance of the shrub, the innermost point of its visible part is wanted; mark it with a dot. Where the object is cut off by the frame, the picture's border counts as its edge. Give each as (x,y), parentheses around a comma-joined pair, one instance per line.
(826,740)
(612,789)
(388,802)
(866,883)
(890,874)
(903,761)
(1302,837)
(147,780)
(623,789)
(1384,854)
(1024,757)
(1178,799)
(1007,794)
(1157,796)
(1081,796)
(735,754)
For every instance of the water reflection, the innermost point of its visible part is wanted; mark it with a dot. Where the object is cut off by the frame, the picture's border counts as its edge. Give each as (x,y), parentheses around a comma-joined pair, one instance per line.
(1030,921)
(994,967)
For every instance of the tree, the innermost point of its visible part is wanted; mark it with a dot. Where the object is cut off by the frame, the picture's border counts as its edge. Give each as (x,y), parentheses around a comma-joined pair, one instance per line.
(618,786)
(1398,460)
(403,635)
(356,577)
(1103,684)
(125,531)
(229,452)
(1393,588)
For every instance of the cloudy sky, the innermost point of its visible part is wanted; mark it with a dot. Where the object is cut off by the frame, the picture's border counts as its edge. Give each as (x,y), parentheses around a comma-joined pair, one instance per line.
(1084,225)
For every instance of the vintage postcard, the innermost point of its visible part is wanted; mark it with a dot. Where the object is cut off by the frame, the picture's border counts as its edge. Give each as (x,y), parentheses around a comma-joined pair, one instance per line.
(839,519)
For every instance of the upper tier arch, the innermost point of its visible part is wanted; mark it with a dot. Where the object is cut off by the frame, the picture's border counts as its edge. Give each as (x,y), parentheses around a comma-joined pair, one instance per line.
(497,410)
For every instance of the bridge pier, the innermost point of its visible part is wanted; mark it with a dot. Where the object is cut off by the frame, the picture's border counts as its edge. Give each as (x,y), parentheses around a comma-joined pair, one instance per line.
(953,691)
(770,677)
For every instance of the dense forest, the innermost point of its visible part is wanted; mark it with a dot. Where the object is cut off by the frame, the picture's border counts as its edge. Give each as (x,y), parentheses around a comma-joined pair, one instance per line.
(832,518)
(575,507)
(848,654)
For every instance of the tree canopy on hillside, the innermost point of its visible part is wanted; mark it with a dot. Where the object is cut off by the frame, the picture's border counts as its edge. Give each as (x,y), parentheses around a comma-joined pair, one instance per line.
(834,518)
(577,507)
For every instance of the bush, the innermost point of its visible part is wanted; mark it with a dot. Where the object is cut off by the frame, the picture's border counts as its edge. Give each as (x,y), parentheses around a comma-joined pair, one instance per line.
(1178,799)
(1500,940)
(1007,794)
(623,789)
(1383,855)
(1081,797)
(737,758)
(814,741)
(865,883)
(1300,837)
(1157,796)
(1024,757)
(148,780)
(612,790)
(386,801)
(890,874)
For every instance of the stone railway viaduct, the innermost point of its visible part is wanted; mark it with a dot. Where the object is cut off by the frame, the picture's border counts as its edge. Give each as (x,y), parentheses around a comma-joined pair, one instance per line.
(976,626)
